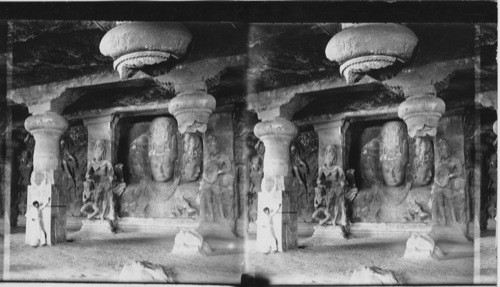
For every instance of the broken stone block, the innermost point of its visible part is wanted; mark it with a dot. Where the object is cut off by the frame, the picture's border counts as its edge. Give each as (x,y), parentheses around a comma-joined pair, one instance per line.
(190,242)
(143,271)
(372,275)
(421,246)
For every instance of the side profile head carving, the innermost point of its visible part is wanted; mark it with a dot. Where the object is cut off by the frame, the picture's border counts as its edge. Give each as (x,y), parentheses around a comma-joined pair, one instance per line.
(394,152)
(192,157)
(423,163)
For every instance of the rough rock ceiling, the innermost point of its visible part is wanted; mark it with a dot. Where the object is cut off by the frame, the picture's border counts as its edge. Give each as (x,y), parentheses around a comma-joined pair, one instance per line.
(279,55)
(52,51)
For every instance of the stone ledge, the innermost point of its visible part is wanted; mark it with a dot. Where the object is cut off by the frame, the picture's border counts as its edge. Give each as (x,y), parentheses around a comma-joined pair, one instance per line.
(367,229)
(156,225)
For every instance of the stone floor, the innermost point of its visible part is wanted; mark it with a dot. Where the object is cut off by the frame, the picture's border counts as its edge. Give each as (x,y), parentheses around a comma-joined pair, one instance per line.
(100,258)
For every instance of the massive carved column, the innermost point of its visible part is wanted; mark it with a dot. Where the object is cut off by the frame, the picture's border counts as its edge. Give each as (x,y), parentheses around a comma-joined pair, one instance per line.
(278,190)
(375,49)
(138,46)
(46,128)
(192,109)
(421,110)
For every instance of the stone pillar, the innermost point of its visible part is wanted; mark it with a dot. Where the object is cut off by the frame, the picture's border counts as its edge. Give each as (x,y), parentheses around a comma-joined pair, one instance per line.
(101,128)
(421,110)
(330,133)
(375,49)
(278,185)
(192,110)
(47,128)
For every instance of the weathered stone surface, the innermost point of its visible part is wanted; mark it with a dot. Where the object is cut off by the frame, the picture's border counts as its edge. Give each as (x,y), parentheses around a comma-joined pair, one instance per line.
(143,271)
(163,148)
(192,109)
(394,152)
(216,186)
(421,247)
(134,45)
(331,182)
(373,275)
(276,136)
(421,114)
(46,178)
(365,48)
(138,159)
(448,189)
(370,162)
(100,174)
(190,242)
(423,161)
(192,157)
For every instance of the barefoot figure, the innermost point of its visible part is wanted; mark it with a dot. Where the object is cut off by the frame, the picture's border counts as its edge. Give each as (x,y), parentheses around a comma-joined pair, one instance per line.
(37,235)
(267,223)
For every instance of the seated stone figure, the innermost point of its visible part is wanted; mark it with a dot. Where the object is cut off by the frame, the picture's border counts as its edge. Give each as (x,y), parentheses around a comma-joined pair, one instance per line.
(89,200)
(320,206)
(448,190)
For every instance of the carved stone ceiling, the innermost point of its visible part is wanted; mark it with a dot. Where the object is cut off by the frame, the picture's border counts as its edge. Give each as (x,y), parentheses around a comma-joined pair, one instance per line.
(279,55)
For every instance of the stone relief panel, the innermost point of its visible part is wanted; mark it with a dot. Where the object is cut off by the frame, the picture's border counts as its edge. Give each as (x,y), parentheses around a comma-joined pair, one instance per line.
(393,188)
(449,184)
(217,196)
(138,159)
(422,165)
(192,157)
(304,159)
(151,170)
(164,179)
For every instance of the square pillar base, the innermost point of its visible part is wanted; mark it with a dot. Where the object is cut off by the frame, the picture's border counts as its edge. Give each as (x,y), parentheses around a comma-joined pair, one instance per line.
(53,216)
(284,222)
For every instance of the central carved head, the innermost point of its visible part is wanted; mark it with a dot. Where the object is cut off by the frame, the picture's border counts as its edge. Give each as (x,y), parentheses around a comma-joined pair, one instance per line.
(394,152)
(99,151)
(163,148)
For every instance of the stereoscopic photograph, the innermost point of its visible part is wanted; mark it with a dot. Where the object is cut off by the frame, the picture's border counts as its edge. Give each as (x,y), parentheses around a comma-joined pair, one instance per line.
(248,153)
